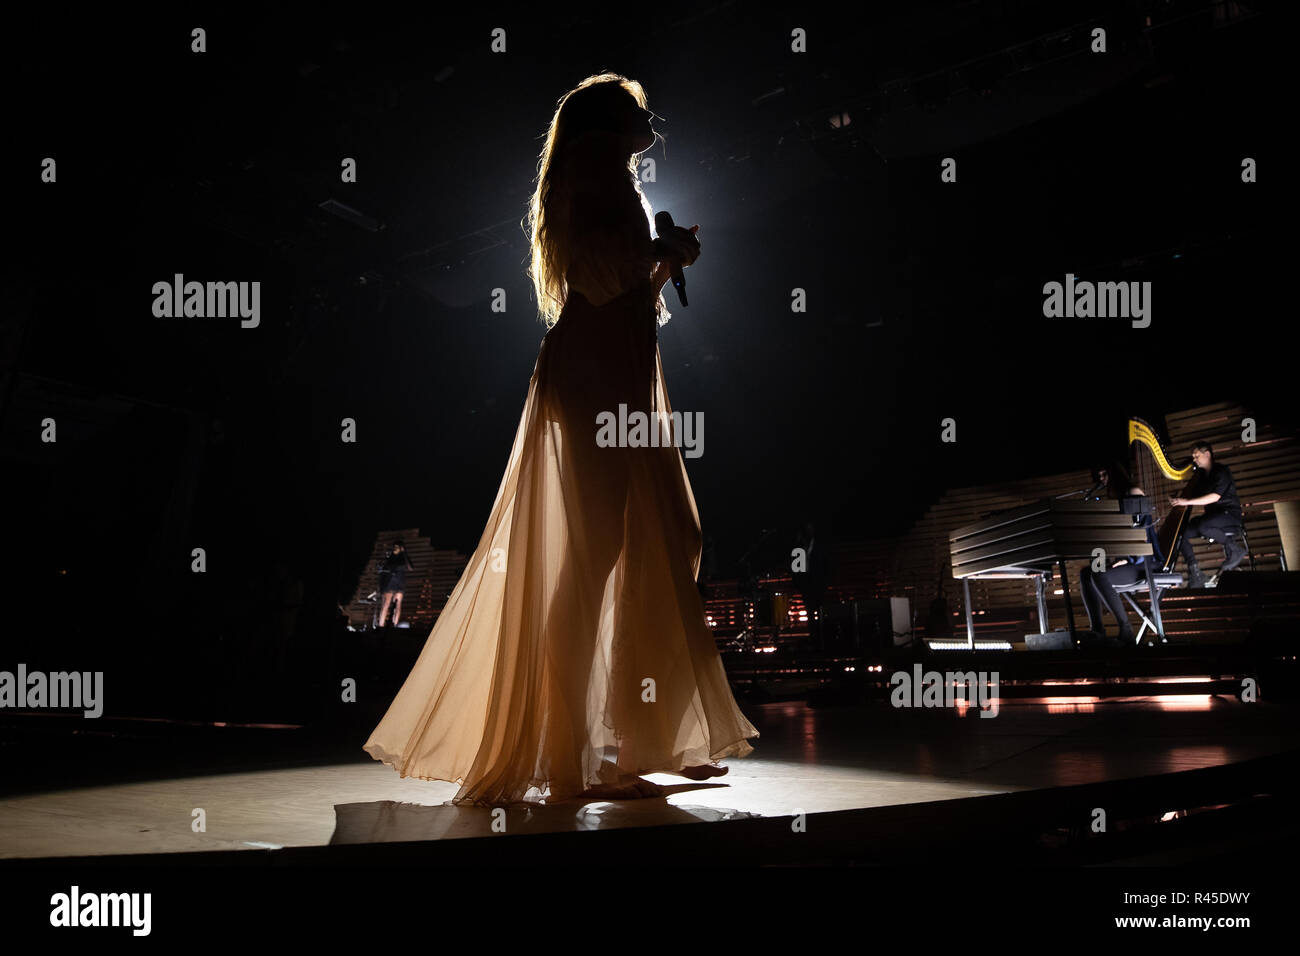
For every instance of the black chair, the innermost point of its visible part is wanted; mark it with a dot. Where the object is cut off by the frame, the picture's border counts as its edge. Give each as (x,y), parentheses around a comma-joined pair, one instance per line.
(1235,533)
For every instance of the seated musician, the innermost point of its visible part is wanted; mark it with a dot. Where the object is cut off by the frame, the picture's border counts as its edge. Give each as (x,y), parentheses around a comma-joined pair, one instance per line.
(1213,487)
(1098,587)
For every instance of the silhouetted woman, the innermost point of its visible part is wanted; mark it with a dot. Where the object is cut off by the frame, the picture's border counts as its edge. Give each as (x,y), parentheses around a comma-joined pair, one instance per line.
(392,577)
(1098,587)
(573,654)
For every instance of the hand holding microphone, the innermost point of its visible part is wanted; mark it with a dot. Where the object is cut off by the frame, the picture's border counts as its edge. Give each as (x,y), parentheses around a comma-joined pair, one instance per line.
(677,246)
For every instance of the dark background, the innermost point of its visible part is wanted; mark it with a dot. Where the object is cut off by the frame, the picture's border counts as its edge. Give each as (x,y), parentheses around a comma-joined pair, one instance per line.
(925,298)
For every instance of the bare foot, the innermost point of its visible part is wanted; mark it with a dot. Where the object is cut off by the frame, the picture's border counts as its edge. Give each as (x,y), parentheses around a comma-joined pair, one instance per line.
(632,789)
(702,772)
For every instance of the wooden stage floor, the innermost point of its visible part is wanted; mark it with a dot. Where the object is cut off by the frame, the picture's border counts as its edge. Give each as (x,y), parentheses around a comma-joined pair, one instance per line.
(808,759)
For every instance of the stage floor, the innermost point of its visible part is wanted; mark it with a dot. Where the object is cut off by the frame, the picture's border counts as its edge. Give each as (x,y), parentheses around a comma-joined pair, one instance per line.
(807,759)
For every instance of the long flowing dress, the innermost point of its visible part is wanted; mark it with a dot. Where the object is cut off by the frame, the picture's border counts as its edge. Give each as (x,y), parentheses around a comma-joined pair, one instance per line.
(574,647)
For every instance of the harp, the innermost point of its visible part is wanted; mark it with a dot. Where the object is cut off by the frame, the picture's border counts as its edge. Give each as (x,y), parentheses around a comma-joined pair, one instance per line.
(1171,529)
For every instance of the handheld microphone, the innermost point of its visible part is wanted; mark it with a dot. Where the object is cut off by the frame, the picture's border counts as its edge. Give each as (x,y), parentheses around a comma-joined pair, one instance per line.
(663,226)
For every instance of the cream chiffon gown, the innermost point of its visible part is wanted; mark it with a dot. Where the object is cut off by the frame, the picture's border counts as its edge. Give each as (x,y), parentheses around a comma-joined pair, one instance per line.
(574,647)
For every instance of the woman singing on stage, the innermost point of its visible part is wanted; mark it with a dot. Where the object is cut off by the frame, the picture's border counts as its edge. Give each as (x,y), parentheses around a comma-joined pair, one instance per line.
(573,655)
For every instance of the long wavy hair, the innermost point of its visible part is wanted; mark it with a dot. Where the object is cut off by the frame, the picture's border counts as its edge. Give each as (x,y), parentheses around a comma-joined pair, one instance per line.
(1118,479)
(589,107)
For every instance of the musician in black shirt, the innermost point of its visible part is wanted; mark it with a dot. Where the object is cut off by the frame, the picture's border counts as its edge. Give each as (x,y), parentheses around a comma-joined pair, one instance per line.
(1214,488)
(392,582)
